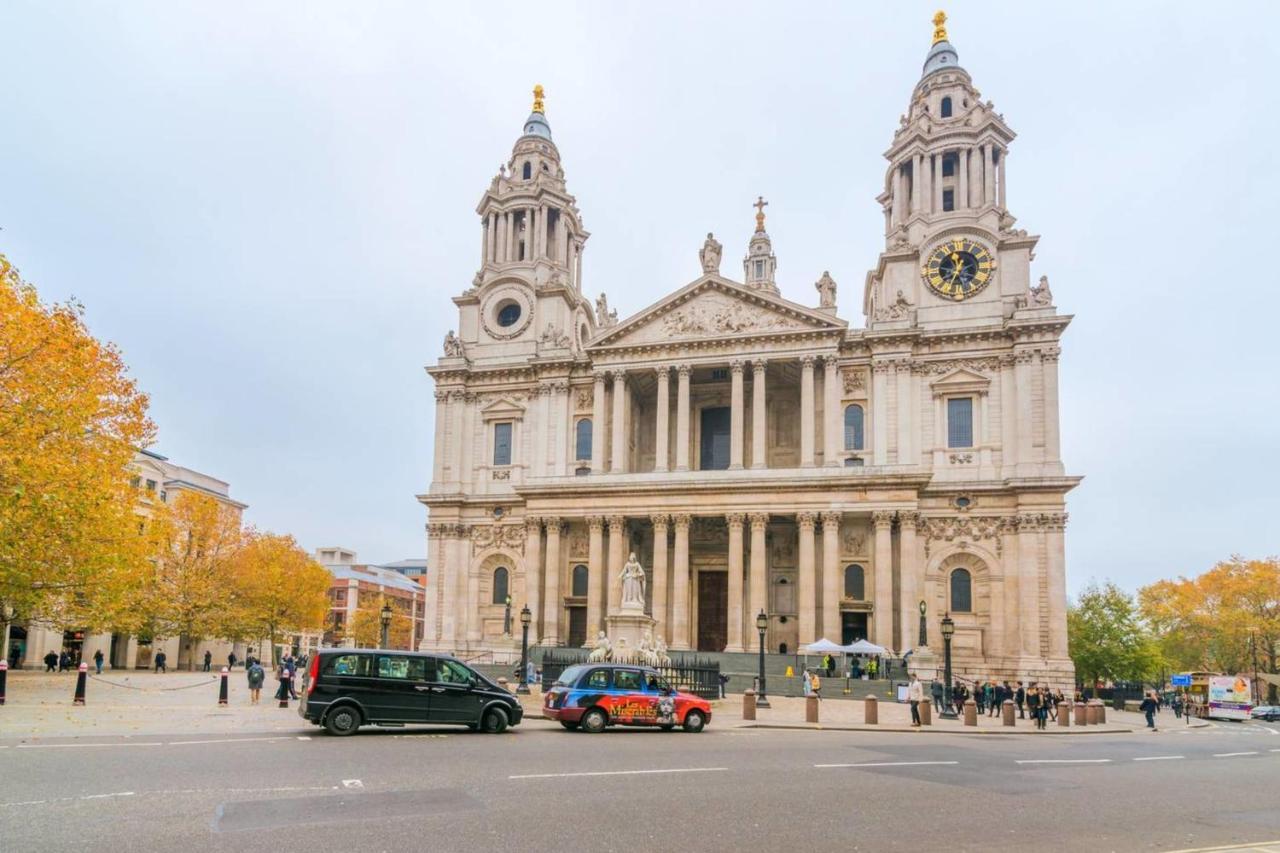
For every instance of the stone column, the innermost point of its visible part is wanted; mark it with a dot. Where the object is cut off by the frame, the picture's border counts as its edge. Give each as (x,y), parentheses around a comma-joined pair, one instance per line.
(806,412)
(595,576)
(937,182)
(962,172)
(737,415)
(680,585)
(759,415)
(663,429)
(1011,638)
(806,606)
(1000,178)
(577,261)
(660,573)
(883,523)
(440,443)
(447,579)
(463,401)
(533,574)
(907,407)
(831,576)
(682,417)
(618,446)
(735,520)
(1055,552)
(554,606)
(617,556)
(909,581)
(895,189)
(879,403)
(917,168)
(475,628)
(1024,365)
(831,436)
(1029,583)
(563,409)
(491,237)
(926,183)
(975,176)
(598,433)
(542,241)
(1008,416)
(759,586)
(988,174)
(1049,366)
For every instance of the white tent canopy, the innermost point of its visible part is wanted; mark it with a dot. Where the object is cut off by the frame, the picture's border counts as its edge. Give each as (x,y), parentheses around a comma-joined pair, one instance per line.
(822,647)
(863,647)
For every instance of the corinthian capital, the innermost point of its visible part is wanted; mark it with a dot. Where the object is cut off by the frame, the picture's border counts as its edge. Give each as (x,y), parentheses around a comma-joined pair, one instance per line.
(882,518)
(735,519)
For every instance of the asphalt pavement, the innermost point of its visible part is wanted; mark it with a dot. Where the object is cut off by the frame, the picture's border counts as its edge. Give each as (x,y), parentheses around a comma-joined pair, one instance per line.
(541,788)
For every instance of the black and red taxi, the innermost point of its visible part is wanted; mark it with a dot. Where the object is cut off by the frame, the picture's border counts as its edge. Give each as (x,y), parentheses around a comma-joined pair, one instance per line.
(593,696)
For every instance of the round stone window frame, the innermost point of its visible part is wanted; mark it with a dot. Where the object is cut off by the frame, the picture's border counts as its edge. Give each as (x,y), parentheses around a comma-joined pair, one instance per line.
(501,297)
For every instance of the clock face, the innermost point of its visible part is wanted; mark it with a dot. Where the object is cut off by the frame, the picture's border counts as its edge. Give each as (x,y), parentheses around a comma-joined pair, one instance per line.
(959,268)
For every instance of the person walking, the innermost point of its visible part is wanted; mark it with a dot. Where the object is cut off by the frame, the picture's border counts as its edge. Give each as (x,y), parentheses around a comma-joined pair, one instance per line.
(935,690)
(208,659)
(162,662)
(282,679)
(51,662)
(231,661)
(97,661)
(530,673)
(64,661)
(256,675)
(291,667)
(872,668)
(915,695)
(806,682)
(1177,706)
(1020,699)
(1148,707)
(1035,704)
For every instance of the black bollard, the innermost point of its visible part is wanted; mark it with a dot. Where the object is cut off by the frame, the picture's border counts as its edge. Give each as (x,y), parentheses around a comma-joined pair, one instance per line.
(80,680)
(222,688)
(4,675)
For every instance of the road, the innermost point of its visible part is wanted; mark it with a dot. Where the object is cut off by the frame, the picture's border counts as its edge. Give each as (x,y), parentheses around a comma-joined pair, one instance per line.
(540,788)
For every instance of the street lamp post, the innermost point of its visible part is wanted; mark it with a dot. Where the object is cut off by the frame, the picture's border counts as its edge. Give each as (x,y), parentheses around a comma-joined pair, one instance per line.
(948,631)
(385,617)
(522,682)
(762,625)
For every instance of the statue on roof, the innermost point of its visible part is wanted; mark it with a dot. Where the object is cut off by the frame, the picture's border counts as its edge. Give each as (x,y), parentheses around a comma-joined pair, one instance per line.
(710,254)
(826,287)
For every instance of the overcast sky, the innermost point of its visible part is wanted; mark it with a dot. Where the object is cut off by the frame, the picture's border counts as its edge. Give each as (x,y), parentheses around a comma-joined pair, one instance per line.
(268,207)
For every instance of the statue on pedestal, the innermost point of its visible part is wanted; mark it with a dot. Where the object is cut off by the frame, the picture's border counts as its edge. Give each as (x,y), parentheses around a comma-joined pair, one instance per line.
(601,649)
(709,256)
(632,578)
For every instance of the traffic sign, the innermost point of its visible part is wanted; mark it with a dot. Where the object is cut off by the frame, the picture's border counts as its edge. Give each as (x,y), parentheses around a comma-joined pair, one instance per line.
(1180,681)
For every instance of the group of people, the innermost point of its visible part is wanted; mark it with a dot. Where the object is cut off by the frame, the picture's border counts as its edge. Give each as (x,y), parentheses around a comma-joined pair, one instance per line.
(858,666)
(1040,700)
(64,662)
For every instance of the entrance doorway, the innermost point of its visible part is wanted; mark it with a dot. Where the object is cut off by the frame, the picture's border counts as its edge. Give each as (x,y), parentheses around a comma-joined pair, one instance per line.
(714,446)
(577,626)
(713,611)
(853,627)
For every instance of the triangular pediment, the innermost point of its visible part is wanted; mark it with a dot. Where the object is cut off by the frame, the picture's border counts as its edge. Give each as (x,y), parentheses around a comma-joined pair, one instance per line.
(712,308)
(503,407)
(960,381)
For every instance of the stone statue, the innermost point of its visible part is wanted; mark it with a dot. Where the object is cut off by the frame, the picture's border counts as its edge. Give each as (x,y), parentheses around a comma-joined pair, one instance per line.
(644,653)
(660,652)
(1041,296)
(601,649)
(452,346)
(710,254)
(899,309)
(553,337)
(622,654)
(826,287)
(632,578)
(604,317)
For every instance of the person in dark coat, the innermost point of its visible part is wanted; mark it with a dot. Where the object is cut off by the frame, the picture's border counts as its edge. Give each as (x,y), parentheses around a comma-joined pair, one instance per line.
(161,659)
(98,658)
(282,676)
(1019,699)
(231,661)
(1149,707)
(51,662)
(208,659)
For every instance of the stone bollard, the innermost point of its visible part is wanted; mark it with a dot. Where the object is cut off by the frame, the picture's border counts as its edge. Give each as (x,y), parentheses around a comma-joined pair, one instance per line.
(926,713)
(871,712)
(1064,715)
(1081,716)
(80,684)
(1102,713)
(811,709)
(749,705)
(222,687)
(1006,712)
(1091,714)
(4,674)
(970,712)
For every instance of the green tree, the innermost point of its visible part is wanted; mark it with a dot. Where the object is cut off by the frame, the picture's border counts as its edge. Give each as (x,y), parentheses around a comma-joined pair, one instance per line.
(1108,639)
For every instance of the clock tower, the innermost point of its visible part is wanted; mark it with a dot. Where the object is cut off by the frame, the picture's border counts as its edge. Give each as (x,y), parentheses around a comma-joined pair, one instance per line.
(952,255)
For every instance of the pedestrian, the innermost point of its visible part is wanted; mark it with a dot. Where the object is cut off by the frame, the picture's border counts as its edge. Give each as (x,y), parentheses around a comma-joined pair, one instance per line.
(1035,704)
(935,690)
(915,695)
(97,661)
(530,673)
(872,668)
(1177,706)
(51,662)
(806,682)
(256,675)
(815,684)
(231,661)
(282,678)
(723,682)
(208,659)
(1148,707)
(64,661)
(161,662)
(291,667)
(1019,699)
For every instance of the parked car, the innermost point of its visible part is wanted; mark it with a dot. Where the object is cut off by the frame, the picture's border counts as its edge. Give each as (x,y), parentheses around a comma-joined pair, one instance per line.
(1270,713)
(595,696)
(350,688)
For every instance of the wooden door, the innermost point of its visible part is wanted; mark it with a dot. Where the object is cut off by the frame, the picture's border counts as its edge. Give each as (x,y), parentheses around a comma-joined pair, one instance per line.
(577,626)
(713,611)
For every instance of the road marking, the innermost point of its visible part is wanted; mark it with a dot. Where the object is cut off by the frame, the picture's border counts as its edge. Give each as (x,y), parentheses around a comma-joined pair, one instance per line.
(352,783)
(1159,758)
(78,745)
(1231,754)
(304,737)
(1275,750)
(226,740)
(1064,761)
(889,764)
(105,796)
(620,772)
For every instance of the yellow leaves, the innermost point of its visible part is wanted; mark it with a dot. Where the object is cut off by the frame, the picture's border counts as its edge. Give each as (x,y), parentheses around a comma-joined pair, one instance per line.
(278,588)
(366,626)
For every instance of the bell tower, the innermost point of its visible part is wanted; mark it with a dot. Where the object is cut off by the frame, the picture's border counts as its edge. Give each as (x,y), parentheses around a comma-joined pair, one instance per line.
(952,256)
(761,264)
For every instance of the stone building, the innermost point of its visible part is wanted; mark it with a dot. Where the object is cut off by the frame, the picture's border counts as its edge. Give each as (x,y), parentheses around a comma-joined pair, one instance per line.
(356,585)
(759,454)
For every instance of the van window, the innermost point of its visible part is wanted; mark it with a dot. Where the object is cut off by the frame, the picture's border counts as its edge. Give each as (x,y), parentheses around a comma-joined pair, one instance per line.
(570,676)
(407,668)
(626,679)
(598,679)
(346,665)
(452,672)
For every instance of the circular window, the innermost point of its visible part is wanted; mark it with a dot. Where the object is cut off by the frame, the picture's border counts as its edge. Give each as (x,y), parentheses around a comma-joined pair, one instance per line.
(963,502)
(509,314)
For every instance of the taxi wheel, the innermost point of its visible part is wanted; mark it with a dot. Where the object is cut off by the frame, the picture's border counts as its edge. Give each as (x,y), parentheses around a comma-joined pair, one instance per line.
(494,722)
(694,721)
(594,721)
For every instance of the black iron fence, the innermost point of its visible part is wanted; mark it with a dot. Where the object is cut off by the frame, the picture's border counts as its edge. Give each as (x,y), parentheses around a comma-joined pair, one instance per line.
(694,674)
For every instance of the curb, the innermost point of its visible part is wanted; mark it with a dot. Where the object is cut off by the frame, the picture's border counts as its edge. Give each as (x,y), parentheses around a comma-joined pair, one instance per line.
(931,730)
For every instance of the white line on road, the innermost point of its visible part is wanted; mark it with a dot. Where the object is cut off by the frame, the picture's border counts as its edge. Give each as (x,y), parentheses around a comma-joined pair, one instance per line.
(1159,758)
(1275,750)
(620,772)
(1064,761)
(304,737)
(105,796)
(352,783)
(1231,754)
(227,740)
(79,745)
(889,764)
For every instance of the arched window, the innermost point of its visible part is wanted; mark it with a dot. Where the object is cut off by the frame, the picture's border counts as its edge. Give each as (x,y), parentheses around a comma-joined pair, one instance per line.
(946,107)
(854,435)
(582,440)
(527,173)
(501,578)
(580,578)
(855,582)
(961,591)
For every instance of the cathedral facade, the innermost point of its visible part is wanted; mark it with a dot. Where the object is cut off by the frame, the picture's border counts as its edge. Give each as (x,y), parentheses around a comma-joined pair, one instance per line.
(756,454)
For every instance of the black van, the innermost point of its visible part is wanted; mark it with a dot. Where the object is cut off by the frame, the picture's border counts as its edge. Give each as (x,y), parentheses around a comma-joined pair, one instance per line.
(349,688)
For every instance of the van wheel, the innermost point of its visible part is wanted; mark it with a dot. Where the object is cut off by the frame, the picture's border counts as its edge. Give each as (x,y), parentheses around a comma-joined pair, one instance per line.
(342,721)
(494,722)
(568,725)
(594,721)
(694,721)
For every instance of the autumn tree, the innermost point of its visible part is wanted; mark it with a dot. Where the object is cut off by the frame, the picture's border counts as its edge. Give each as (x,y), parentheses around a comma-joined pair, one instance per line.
(365,629)
(277,588)
(71,419)
(1108,640)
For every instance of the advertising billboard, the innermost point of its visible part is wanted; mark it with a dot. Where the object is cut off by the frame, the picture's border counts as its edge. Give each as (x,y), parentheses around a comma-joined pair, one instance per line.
(1229,697)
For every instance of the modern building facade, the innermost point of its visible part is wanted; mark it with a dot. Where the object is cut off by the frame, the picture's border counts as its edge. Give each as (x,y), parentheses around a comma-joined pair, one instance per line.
(357,585)
(755,453)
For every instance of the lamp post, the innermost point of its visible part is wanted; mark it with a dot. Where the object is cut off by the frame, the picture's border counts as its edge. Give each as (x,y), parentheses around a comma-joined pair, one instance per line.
(385,617)
(948,631)
(522,682)
(762,625)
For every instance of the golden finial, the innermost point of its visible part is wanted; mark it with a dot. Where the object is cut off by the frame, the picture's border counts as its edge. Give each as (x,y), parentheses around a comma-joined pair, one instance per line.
(760,205)
(939,26)
(537,99)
